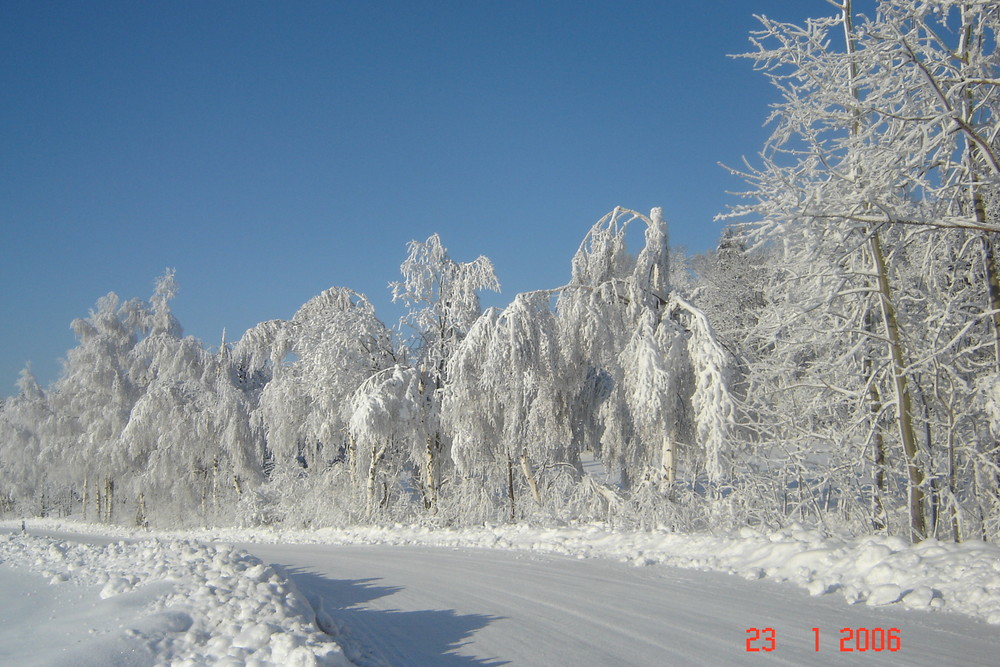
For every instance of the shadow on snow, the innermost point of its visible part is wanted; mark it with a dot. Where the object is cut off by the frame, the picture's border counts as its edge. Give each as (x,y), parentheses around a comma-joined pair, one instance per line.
(363,631)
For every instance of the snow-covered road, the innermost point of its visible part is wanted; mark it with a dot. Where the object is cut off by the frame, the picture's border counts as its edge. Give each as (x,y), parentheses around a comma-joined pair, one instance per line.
(438,606)
(451,605)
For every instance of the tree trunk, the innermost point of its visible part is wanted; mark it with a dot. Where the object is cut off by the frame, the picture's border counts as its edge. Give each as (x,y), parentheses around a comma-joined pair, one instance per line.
(377,454)
(904,404)
(352,460)
(215,487)
(980,155)
(993,285)
(83,503)
(530,478)
(140,511)
(879,518)
(956,526)
(109,499)
(510,488)
(431,472)
(993,290)
(667,459)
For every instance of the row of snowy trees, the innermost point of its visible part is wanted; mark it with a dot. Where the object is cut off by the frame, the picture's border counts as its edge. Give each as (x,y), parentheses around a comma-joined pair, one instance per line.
(835,361)
(329,417)
(138,414)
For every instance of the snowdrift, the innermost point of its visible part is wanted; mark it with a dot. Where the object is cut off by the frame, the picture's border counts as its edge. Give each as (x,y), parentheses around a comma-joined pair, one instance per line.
(184,603)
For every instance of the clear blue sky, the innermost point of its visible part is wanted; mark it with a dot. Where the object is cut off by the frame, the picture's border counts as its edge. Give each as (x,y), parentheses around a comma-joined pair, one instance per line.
(270,150)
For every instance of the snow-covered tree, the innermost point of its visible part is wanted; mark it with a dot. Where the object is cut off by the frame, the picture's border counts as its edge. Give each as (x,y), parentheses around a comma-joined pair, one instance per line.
(336,342)
(188,437)
(648,364)
(506,404)
(443,298)
(93,398)
(880,144)
(309,368)
(730,287)
(387,418)
(23,419)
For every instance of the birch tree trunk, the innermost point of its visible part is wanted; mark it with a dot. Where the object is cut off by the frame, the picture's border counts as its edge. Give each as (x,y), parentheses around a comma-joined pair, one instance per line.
(378,452)
(529,476)
(431,480)
(510,489)
(879,518)
(109,498)
(667,459)
(904,403)
(352,459)
(140,511)
(993,286)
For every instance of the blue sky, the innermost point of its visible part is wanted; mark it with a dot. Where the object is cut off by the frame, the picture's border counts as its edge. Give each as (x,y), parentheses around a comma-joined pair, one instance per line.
(270,150)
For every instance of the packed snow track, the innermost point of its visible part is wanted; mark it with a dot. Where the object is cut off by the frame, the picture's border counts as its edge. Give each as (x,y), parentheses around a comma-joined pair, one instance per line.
(438,606)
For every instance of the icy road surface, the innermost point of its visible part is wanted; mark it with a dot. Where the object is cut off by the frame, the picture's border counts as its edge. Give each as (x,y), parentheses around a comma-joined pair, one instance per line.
(439,606)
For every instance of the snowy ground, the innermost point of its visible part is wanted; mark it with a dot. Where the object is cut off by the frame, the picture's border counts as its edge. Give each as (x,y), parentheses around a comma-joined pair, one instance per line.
(152,601)
(559,596)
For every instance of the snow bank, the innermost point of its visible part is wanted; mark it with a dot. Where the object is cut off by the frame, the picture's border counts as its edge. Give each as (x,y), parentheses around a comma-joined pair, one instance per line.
(877,571)
(191,603)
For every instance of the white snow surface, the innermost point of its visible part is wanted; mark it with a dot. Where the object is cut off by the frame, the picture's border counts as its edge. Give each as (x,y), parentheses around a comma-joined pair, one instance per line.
(221,603)
(152,601)
(932,575)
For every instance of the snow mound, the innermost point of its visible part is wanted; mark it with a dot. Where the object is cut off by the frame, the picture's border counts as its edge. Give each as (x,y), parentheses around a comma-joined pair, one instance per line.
(202,603)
